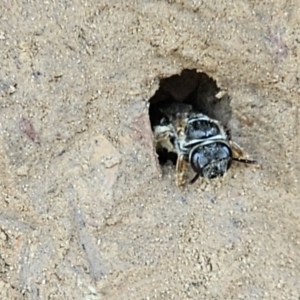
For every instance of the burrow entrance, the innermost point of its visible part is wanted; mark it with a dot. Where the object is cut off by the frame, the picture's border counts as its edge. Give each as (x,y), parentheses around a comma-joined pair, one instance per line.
(196,89)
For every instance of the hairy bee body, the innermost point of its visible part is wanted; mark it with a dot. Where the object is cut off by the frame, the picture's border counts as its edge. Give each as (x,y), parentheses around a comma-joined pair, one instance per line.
(196,139)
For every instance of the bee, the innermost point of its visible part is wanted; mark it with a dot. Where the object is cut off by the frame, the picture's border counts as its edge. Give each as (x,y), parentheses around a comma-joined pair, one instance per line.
(197,140)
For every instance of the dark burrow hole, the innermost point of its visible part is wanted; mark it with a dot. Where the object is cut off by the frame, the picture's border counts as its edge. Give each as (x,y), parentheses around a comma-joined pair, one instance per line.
(196,89)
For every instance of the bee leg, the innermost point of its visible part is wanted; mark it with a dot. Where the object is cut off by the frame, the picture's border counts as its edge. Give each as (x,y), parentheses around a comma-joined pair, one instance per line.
(237,151)
(181,167)
(164,144)
(161,133)
(239,155)
(162,137)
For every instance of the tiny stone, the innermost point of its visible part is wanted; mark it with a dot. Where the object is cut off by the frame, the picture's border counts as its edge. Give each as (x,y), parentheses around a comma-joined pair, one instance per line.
(220,94)
(11,90)
(23,171)
(3,237)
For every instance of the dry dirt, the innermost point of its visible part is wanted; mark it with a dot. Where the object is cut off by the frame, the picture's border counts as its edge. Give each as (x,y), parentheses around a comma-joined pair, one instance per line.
(86,211)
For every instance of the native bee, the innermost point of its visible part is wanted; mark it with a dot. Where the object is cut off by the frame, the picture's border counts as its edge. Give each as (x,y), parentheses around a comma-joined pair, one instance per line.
(198,140)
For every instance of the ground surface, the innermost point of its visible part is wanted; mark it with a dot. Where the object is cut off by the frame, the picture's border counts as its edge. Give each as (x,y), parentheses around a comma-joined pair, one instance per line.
(85,211)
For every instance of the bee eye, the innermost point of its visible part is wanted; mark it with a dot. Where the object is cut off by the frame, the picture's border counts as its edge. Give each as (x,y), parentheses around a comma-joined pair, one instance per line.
(211,160)
(198,160)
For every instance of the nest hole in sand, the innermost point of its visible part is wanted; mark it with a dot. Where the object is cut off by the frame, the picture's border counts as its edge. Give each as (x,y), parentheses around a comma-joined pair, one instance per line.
(194,88)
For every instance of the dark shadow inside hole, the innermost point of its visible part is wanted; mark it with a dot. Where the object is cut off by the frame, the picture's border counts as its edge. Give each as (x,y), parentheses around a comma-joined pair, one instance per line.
(196,89)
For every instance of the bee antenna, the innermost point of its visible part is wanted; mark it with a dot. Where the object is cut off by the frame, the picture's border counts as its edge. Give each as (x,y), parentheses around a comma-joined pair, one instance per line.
(245,161)
(195,178)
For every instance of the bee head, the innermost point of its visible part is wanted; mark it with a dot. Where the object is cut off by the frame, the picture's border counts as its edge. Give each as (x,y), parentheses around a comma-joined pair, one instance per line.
(211,159)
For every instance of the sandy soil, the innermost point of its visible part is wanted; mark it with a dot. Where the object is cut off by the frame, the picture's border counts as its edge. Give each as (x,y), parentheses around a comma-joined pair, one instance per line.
(86,211)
